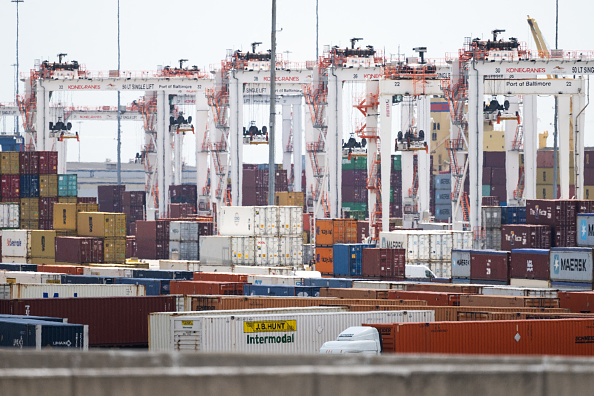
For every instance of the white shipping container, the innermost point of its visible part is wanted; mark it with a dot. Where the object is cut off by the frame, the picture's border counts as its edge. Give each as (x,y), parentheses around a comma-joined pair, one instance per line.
(183,231)
(30,277)
(16,260)
(237,221)
(267,251)
(108,271)
(288,333)
(16,243)
(519,291)
(242,251)
(462,239)
(290,250)
(226,250)
(535,283)
(83,290)
(362,284)
(275,280)
(10,215)
(266,220)
(242,269)
(161,330)
(290,220)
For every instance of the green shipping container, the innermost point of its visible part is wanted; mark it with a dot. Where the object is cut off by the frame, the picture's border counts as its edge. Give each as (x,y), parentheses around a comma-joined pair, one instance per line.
(397,161)
(356,162)
(486,190)
(356,215)
(67,186)
(354,206)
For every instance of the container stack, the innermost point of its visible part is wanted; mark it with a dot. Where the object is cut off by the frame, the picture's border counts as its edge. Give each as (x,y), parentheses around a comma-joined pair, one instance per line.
(110,198)
(152,239)
(545,176)
(110,227)
(285,198)
(184,193)
(180,210)
(329,232)
(183,240)
(443,197)
(79,250)
(133,206)
(255,183)
(559,214)
(492,222)
(354,186)
(494,175)
(256,235)
(67,187)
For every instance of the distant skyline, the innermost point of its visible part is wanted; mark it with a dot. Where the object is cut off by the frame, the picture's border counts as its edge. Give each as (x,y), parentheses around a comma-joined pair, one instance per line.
(157,33)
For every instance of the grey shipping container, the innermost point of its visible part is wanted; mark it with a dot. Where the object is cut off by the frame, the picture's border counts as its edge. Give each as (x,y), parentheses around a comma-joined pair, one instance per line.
(571,265)
(585,229)
(460,264)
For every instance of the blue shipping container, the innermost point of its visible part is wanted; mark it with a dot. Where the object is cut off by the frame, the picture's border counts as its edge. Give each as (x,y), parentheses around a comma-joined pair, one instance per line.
(443,197)
(443,212)
(67,186)
(347,258)
(513,215)
(18,267)
(329,282)
(154,287)
(87,279)
(29,186)
(307,291)
(442,182)
(154,274)
(23,333)
(268,290)
(183,275)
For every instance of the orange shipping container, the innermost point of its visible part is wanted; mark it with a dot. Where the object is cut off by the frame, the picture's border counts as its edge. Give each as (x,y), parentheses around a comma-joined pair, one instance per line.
(203,287)
(565,337)
(220,277)
(354,293)
(62,269)
(345,231)
(508,301)
(324,260)
(324,232)
(432,298)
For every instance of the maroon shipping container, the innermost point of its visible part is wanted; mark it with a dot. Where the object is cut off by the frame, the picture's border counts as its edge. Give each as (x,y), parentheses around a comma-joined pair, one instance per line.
(184,193)
(206,287)
(110,206)
(577,302)
(486,175)
(564,236)
(544,159)
(131,228)
(152,230)
(10,200)
(180,210)
(556,212)
(522,236)
(46,208)
(495,159)
(489,265)
(396,178)
(497,177)
(10,186)
(530,264)
(112,321)
(491,201)
(46,224)
(362,230)
(131,247)
(29,162)
(499,191)
(205,228)
(79,250)
(133,213)
(48,162)
(385,264)
(86,200)
(152,249)
(133,198)
(584,206)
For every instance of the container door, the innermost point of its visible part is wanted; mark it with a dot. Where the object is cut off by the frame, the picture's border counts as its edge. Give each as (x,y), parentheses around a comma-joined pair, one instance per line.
(284,220)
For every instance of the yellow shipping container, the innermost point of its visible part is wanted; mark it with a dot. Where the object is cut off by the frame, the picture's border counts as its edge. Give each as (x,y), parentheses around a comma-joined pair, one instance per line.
(114,250)
(43,244)
(296,198)
(544,176)
(65,233)
(101,224)
(282,198)
(9,163)
(29,209)
(67,200)
(87,207)
(29,224)
(48,185)
(65,217)
(43,260)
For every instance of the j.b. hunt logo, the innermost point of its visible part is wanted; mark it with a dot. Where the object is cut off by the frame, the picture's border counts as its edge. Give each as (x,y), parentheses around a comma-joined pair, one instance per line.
(270,326)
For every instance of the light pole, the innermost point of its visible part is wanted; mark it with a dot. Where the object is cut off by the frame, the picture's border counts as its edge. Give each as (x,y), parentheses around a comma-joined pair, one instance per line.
(119,148)
(271,138)
(16,99)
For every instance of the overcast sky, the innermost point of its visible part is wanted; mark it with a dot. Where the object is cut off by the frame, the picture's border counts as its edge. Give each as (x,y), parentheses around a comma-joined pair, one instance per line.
(161,32)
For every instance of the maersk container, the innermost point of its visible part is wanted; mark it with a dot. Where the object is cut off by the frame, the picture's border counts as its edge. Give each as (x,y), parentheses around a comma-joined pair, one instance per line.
(153,287)
(288,333)
(16,243)
(160,331)
(347,259)
(267,250)
(38,334)
(571,265)
(10,214)
(15,290)
(29,277)
(227,250)
(585,226)
(460,264)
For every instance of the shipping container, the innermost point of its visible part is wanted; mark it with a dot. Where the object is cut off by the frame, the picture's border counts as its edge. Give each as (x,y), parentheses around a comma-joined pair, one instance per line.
(65,216)
(227,250)
(48,185)
(48,163)
(571,264)
(62,269)
(29,277)
(555,212)
(489,265)
(275,333)
(290,251)
(324,261)
(86,280)
(114,250)
(585,225)
(347,259)
(267,250)
(29,333)
(9,163)
(525,237)
(184,250)
(10,186)
(10,214)
(515,337)
(100,224)
(43,244)
(431,298)
(183,231)
(579,302)
(78,250)
(153,230)
(530,264)
(385,264)
(461,263)
(67,185)
(491,216)
(29,186)
(206,287)
(15,290)
(331,231)
(16,243)
(508,301)
(153,287)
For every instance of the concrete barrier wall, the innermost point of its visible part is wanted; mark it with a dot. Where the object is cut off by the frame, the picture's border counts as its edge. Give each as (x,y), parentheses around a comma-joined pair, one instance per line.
(115,373)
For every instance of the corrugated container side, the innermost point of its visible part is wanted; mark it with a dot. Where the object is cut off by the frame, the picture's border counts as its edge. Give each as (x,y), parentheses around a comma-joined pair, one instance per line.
(55,291)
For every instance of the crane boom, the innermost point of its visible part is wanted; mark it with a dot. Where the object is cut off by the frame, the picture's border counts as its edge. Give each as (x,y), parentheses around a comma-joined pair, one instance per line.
(543,51)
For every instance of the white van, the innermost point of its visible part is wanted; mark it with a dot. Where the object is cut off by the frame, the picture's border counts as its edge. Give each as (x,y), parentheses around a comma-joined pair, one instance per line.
(414,271)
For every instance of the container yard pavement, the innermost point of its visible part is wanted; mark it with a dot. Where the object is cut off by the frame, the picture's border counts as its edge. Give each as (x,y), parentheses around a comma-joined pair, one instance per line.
(114,373)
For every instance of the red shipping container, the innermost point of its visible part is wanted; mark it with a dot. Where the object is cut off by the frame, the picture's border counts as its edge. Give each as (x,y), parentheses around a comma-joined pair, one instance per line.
(495,159)
(86,200)
(110,193)
(62,269)
(48,162)
(46,224)
(362,230)
(133,198)
(220,277)
(384,264)
(307,218)
(112,321)
(497,177)
(29,162)
(499,191)
(523,236)
(555,212)
(530,264)
(433,298)
(10,186)
(152,249)
(180,210)
(206,287)
(46,208)
(79,250)
(131,249)
(486,175)
(564,236)
(504,337)
(152,230)
(489,265)
(491,201)
(584,206)
(577,302)
(134,213)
